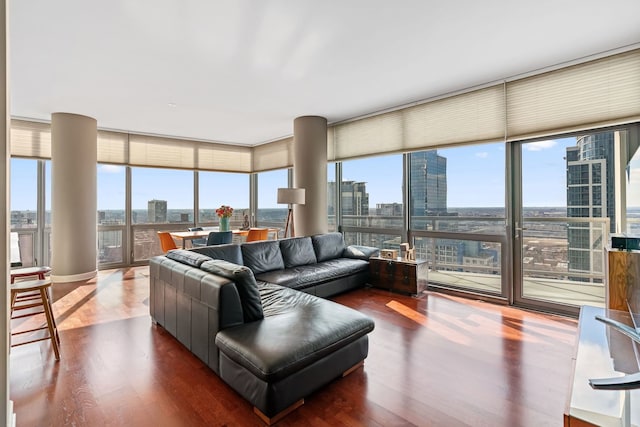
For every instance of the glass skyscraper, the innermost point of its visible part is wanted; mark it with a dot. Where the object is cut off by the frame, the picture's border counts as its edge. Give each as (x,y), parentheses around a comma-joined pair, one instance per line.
(590,194)
(428,183)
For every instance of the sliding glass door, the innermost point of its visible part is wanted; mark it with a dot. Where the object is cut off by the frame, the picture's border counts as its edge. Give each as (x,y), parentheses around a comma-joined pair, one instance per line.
(569,197)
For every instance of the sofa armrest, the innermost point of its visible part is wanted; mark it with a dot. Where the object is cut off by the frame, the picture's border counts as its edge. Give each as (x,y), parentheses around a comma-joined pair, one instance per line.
(213,291)
(360,252)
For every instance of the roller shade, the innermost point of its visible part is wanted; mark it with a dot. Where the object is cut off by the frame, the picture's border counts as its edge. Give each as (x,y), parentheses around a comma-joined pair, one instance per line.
(273,155)
(476,116)
(371,135)
(174,153)
(33,140)
(470,117)
(113,147)
(30,139)
(161,152)
(223,158)
(603,92)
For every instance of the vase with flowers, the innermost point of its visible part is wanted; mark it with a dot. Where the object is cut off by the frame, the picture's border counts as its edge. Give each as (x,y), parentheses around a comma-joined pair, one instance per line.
(224,212)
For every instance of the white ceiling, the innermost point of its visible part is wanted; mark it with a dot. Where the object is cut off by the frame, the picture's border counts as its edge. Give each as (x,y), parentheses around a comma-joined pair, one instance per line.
(240,71)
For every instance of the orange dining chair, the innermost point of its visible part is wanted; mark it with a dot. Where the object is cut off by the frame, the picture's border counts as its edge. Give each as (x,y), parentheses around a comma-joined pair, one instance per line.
(166,241)
(257,234)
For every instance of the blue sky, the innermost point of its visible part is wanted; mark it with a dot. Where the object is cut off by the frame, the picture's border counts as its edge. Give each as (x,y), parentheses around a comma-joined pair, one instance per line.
(475,178)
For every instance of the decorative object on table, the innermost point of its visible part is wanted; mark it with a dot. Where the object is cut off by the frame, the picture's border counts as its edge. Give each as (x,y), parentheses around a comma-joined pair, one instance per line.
(291,196)
(245,222)
(388,253)
(404,248)
(224,212)
(411,254)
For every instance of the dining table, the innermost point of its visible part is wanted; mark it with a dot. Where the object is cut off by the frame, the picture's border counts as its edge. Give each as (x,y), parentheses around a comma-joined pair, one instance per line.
(190,236)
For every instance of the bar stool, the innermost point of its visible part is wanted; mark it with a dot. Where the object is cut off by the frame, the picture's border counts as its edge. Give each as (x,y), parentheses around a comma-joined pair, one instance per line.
(26,295)
(39,271)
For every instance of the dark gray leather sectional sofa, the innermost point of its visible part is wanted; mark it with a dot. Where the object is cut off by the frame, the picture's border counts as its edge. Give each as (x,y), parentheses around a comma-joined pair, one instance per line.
(252,312)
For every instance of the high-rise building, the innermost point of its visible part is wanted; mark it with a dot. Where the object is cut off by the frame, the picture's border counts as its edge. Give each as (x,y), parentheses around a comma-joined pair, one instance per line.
(428,183)
(157,211)
(355,199)
(590,194)
(389,209)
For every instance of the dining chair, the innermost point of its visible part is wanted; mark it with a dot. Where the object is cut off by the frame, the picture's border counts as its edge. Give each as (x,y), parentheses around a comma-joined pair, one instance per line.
(219,238)
(198,242)
(166,241)
(257,234)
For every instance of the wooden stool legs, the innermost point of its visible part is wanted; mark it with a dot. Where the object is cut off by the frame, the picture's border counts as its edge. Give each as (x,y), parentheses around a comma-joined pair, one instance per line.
(31,294)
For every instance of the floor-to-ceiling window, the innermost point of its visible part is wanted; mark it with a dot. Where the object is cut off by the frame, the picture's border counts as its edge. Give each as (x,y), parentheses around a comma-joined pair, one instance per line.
(112,230)
(574,192)
(331,198)
(161,200)
(457,215)
(218,188)
(633,193)
(371,201)
(24,211)
(269,212)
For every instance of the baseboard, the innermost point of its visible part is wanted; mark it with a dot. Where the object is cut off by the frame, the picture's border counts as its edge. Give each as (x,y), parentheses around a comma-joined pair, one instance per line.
(56,278)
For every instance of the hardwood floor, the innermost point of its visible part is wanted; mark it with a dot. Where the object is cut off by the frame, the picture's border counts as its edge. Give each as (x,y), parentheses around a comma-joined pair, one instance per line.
(436,360)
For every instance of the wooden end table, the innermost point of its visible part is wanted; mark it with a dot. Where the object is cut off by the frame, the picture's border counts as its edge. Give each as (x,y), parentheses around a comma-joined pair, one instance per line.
(399,274)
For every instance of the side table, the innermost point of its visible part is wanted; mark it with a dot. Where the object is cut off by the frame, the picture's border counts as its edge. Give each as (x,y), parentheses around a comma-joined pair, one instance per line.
(399,274)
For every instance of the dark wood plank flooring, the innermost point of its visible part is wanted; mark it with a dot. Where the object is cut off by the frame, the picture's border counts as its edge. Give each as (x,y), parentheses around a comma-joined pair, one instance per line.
(435,360)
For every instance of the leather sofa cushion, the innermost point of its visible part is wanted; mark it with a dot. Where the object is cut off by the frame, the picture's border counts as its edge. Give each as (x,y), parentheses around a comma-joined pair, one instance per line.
(304,276)
(328,246)
(245,283)
(306,329)
(297,251)
(360,252)
(262,256)
(187,257)
(229,252)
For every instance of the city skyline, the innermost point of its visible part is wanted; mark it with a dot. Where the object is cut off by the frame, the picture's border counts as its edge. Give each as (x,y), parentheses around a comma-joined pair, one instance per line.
(543,186)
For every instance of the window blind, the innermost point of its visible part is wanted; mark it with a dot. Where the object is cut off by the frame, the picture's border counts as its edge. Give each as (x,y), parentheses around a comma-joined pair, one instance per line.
(30,139)
(161,152)
(476,116)
(273,155)
(113,147)
(33,140)
(602,92)
(371,135)
(223,158)
(174,153)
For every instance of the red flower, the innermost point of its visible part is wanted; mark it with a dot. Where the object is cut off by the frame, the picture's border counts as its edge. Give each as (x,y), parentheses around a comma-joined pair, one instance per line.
(224,211)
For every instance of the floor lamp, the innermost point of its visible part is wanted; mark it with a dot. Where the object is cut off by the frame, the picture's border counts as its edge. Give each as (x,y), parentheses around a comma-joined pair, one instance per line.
(290,196)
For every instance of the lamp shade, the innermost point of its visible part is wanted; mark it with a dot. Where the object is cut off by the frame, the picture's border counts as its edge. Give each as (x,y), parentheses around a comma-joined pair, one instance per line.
(291,196)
